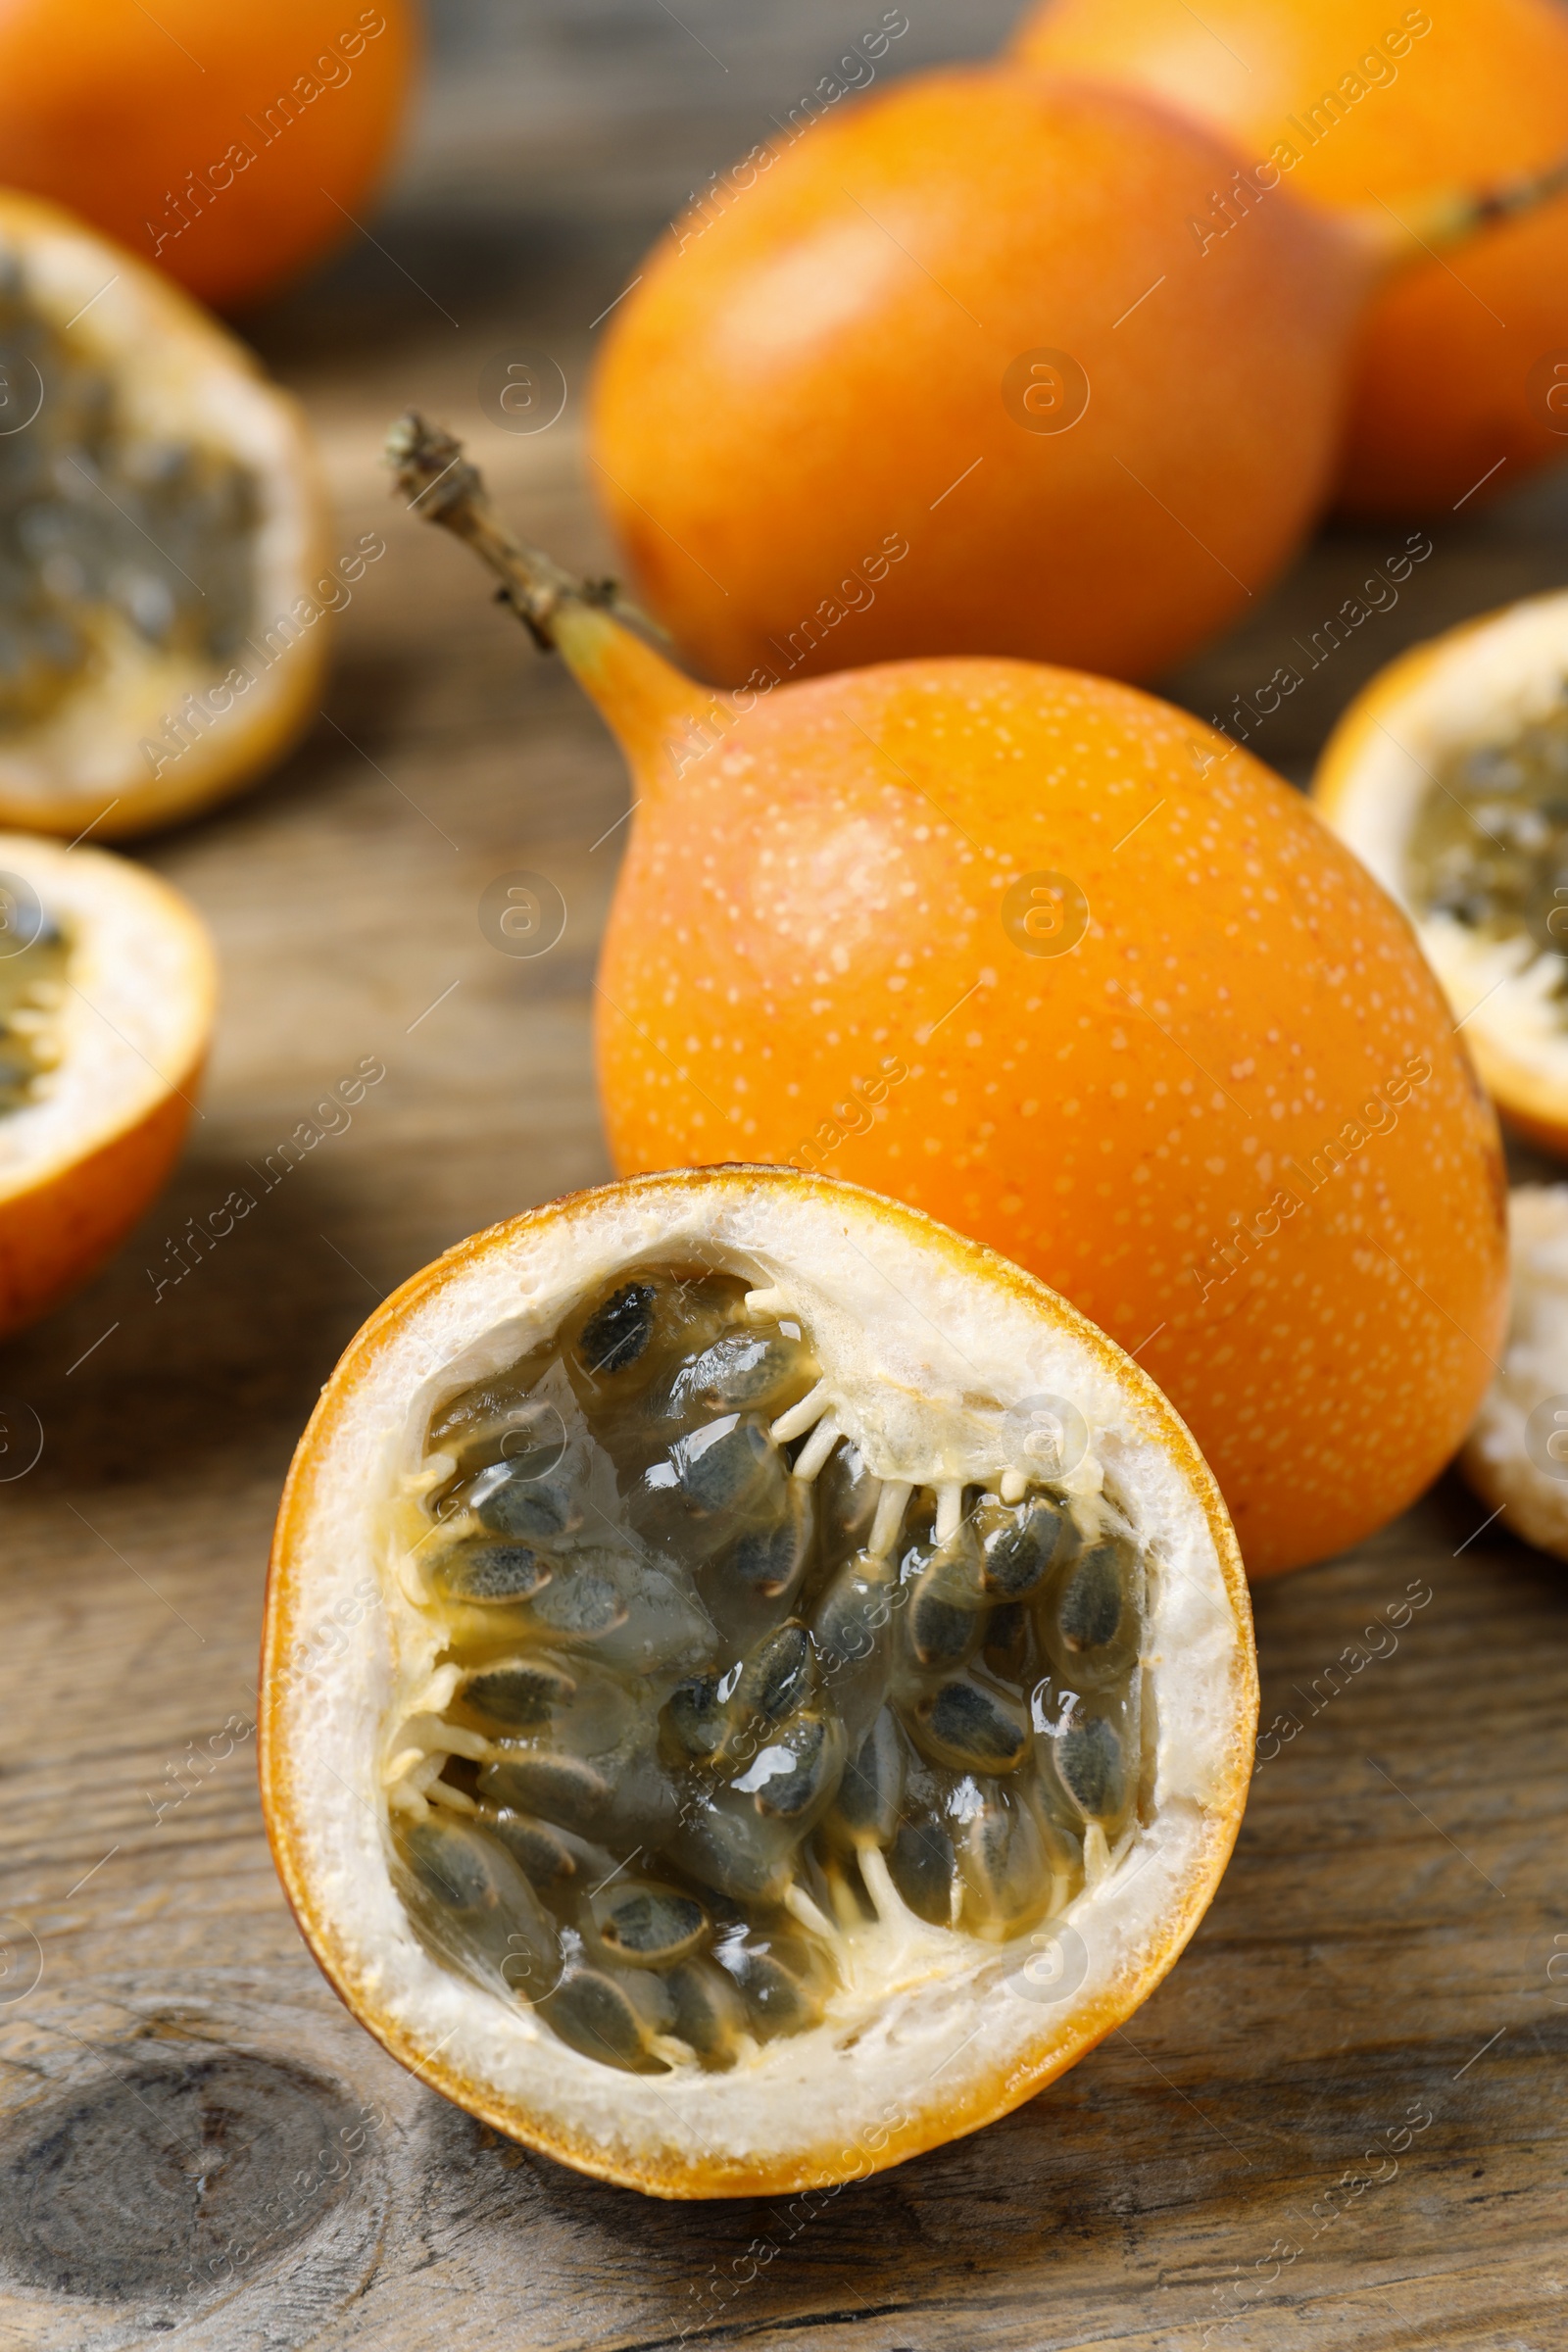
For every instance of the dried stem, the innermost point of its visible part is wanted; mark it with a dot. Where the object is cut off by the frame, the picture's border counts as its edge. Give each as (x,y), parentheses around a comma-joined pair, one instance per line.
(431,470)
(1444,219)
(1525,194)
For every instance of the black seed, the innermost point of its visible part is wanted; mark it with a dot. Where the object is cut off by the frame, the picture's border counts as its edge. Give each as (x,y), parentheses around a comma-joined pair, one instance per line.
(602,2015)
(1022,1550)
(1090,1608)
(1093,1768)
(510,1502)
(921,1865)
(729,1466)
(779,1676)
(741,1368)
(583,1605)
(649,1925)
(453,1864)
(717,1485)
(491,1415)
(973,1728)
(617,1334)
(1003,1855)
(849,1494)
(857,1609)
(537,1846)
(776,1994)
(766,1560)
(795,1770)
(708,2015)
(545,1781)
(475,1903)
(492,1572)
(696,1716)
(867,1808)
(945,1601)
(518,1695)
(725,1843)
(1007,1641)
(942,1634)
(615,1793)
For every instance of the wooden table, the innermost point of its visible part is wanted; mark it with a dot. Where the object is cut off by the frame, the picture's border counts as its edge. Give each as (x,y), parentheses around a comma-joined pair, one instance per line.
(1387,1962)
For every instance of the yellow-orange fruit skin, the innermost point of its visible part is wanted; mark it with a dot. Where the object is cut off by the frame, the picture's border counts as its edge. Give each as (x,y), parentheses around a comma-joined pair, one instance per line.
(58,1233)
(816,377)
(139,120)
(1450,376)
(808,961)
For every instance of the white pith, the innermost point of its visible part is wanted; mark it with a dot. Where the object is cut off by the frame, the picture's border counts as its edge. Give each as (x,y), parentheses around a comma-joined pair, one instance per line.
(1497,1458)
(133,1013)
(179,378)
(924,1351)
(1493,680)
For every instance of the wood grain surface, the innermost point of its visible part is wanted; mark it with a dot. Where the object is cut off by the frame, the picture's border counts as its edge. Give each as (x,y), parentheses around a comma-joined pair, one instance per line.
(1339,2121)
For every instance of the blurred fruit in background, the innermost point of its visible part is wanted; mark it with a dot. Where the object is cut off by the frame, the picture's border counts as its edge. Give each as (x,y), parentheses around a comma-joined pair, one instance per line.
(164,572)
(1377,102)
(1449,776)
(964,326)
(107,989)
(229,144)
(1516,1457)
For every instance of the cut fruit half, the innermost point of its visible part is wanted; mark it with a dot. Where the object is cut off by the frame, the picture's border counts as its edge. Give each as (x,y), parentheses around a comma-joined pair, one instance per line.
(1449,777)
(755,1685)
(107,993)
(161,533)
(1516,1457)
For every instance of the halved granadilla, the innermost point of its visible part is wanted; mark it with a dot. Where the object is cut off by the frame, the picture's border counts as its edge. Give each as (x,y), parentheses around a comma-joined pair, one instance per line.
(755,1685)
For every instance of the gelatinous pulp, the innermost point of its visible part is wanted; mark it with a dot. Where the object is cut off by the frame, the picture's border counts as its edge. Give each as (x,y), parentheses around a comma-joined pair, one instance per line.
(712,1698)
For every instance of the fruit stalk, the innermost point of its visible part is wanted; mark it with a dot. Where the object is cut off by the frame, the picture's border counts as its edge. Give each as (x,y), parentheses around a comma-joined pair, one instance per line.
(639,693)
(1444,219)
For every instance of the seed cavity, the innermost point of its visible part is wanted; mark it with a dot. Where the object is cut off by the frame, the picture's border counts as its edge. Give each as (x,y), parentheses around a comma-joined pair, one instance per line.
(111,540)
(713,1696)
(35,958)
(1488,847)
